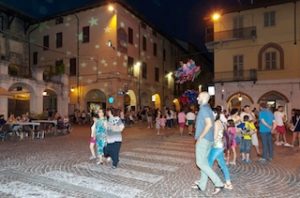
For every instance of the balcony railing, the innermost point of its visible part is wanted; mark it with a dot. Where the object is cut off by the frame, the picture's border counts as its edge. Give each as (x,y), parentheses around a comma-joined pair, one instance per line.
(236,76)
(234,34)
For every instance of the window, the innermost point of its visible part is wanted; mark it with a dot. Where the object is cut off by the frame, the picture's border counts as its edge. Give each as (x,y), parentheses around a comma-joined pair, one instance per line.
(73,67)
(238,25)
(130,62)
(86,34)
(156,72)
(35,58)
(130,35)
(46,42)
(58,64)
(164,54)
(154,33)
(144,70)
(154,49)
(270,60)
(59,39)
(59,20)
(143,25)
(144,43)
(238,64)
(269,19)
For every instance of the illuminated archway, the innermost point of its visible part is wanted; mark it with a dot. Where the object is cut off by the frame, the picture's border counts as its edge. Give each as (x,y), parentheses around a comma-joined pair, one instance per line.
(130,100)
(49,100)
(238,100)
(176,104)
(156,101)
(20,102)
(273,99)
(95,99)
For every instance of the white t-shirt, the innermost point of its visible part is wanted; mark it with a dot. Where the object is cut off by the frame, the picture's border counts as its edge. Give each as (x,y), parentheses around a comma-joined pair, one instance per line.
(190,116)
(279,118)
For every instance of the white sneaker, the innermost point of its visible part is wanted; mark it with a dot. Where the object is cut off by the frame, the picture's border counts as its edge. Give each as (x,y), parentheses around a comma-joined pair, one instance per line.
(108,159)
(287,144)
(278,144)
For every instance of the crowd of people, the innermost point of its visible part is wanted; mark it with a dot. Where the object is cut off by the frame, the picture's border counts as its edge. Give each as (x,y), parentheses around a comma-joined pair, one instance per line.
(219,134)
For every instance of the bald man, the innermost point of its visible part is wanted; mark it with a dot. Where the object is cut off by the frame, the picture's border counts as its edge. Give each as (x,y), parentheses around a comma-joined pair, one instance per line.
(204,135)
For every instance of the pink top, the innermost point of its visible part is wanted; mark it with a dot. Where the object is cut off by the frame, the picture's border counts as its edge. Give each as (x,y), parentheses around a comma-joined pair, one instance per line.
(181,117)
(232,130)
(162,121)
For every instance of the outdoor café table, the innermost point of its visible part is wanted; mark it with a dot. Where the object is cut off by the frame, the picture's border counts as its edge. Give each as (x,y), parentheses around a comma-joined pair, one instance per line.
(50,124)
(54,122)
(33,125)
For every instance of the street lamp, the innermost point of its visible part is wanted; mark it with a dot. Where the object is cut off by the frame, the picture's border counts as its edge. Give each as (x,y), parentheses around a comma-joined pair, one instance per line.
(215,16)
(111,8)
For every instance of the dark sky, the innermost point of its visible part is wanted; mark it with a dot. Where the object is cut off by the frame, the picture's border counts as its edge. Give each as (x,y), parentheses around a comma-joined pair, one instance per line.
(179,18)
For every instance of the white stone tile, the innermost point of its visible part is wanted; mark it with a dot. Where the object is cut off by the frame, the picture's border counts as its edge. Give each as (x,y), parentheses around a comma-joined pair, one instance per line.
(150,165)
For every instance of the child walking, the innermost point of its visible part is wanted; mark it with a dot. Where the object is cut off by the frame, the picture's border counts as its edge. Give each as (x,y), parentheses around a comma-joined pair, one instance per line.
(246,142)
(93,137)
(231,142)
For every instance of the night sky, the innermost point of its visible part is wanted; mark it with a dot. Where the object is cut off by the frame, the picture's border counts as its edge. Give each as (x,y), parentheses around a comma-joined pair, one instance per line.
(183,19)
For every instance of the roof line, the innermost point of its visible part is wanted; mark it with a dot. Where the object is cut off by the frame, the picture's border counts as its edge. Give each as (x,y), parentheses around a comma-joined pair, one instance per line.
(103,3)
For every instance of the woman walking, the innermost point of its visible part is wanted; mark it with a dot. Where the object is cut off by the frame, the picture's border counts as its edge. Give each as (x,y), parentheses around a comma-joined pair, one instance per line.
(114,136)
(101,127)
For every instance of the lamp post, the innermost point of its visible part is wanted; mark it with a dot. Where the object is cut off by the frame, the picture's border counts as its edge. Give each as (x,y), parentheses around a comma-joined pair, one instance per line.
(138,67)
(77,62)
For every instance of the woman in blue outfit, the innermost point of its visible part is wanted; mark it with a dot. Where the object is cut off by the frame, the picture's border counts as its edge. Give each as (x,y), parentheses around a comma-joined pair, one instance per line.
(217,152)
(101,133)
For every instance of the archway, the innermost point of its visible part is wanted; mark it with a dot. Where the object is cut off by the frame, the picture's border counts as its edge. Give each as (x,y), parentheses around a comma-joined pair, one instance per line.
(156,101)
(49,101)
(238,100)
(20,102)
(95,99)
(130,101)
(274,99)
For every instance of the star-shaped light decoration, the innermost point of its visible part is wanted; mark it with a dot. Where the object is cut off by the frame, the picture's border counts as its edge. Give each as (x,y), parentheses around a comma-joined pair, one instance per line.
(137,35)
(99,72)
(89,81)
(97,46)
(95,68)
(105,84)
(80,36)
(136,45)
(43,26)
(119,54)
(122,24)
(80,77)
(124,64)
(103,61)
(125,57)
(42,58)
(68,18)
(68,53)
(107,29)
(93,21)
(83,64)
(115,63)
(67,24)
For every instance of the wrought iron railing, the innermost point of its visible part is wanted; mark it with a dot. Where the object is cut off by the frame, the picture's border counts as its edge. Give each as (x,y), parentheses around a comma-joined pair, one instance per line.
(235,76)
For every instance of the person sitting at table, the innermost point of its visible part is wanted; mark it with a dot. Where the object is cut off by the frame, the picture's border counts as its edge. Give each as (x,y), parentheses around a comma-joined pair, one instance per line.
(2,120)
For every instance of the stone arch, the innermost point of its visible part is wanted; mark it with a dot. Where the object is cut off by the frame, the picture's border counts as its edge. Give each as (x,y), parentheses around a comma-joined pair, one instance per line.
(234,100)
(49,100)
(267,46)
(274,99)
(130,102)
(22,100)
(94,99)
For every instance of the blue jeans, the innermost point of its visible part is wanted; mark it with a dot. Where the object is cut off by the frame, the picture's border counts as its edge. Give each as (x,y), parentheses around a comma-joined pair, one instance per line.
(203,148)
(267,144)
(218,154)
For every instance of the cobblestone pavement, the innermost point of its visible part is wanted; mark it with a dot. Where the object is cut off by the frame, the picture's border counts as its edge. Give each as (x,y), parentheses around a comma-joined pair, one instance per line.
(150,166)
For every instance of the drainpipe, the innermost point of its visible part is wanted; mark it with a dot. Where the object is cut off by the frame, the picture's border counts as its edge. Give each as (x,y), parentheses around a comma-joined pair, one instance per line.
(29,48)
(295,23)
(77,61)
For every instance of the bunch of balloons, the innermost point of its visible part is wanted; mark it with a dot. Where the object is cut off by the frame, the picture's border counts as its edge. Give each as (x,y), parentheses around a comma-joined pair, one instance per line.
(187,72)
(189,97)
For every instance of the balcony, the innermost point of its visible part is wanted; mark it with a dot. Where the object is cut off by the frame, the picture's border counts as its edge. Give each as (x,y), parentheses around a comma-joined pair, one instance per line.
(214,38)
(236,76)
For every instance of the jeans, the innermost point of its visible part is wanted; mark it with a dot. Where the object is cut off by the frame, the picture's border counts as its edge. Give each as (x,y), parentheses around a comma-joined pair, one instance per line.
(218,154)
(203,148)
(267,144)
(113,150)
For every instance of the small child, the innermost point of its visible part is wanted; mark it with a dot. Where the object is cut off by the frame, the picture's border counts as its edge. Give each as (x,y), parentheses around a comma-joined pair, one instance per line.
(93,137)
(247,131)
(157,124)
(231,141)
(163,121)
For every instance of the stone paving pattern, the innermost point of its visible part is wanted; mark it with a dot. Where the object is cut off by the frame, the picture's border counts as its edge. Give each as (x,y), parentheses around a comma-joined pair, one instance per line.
(150,166)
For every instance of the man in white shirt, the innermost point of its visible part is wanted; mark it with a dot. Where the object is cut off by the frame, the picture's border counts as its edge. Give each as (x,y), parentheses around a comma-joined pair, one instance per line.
(190,117)
(280,119)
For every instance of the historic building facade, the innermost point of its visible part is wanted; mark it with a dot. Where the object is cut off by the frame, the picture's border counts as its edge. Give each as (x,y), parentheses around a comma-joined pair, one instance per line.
(22,87)
(112,57)
(256,53)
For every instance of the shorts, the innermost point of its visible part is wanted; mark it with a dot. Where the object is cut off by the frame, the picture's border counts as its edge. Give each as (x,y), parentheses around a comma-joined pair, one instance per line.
(254,139)
(245,146)
(280,129)
(190,122)
(93,140)
(181,125)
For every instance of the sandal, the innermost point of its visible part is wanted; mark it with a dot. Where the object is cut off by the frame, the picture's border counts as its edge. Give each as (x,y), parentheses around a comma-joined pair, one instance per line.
(218,190)
(228,186)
